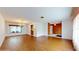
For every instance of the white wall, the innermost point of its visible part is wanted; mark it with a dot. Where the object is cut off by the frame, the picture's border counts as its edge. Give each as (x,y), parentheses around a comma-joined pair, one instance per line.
(67,29)
(41,29)
(26,29)
(76,32)
(2,29)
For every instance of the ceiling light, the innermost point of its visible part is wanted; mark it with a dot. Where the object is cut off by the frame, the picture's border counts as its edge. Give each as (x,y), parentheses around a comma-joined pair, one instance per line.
(42,17)
(54,24)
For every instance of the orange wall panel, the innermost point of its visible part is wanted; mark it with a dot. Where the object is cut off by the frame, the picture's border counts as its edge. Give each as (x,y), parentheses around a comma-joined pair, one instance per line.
(57,29)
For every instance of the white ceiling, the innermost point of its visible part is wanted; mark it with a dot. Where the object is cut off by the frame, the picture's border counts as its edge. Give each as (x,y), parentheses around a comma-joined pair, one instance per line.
(51,14)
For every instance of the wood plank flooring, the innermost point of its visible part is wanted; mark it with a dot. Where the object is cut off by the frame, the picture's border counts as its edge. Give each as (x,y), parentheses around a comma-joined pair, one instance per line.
(29,43)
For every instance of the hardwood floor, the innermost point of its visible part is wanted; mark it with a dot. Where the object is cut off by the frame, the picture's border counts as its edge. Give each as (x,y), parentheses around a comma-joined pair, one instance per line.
(29,43)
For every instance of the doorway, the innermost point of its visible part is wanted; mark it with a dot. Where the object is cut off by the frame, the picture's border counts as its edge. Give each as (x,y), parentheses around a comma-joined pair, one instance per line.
(55,29)
(32,31)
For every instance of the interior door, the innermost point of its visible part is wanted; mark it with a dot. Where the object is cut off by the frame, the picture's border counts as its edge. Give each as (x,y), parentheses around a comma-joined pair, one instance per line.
(32,32)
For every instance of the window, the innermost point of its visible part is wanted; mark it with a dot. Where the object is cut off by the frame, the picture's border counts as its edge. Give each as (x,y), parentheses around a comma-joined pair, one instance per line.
(15,28)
